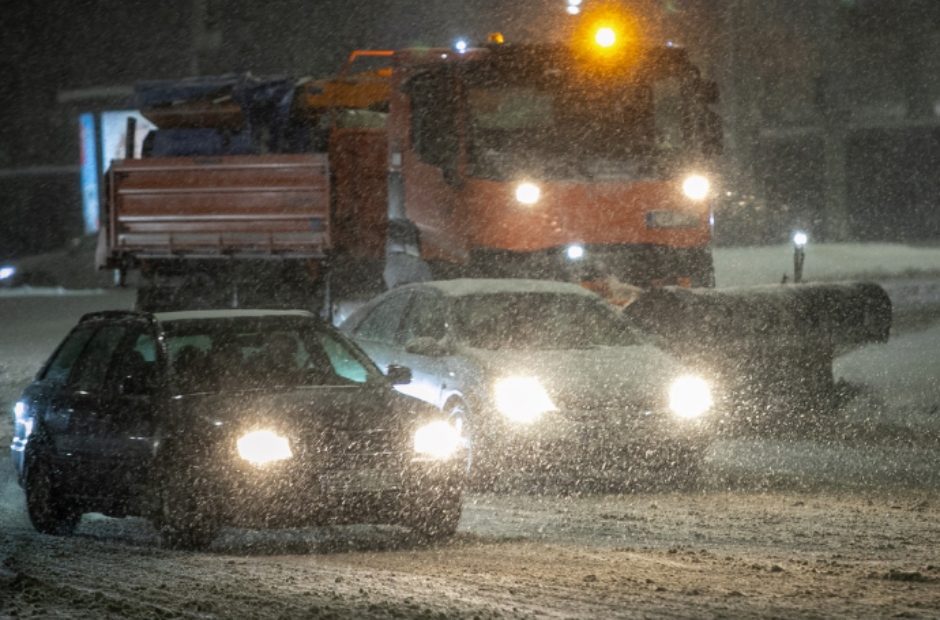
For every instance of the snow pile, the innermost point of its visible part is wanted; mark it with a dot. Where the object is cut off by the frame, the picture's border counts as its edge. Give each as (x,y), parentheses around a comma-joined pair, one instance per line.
(748,266)
(48,291)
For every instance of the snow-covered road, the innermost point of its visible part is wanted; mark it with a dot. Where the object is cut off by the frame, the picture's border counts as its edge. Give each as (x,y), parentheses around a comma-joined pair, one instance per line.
(821,526)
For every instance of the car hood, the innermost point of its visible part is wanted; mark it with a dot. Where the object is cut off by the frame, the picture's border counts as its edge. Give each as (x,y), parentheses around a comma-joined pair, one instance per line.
(356,408)
(590,379)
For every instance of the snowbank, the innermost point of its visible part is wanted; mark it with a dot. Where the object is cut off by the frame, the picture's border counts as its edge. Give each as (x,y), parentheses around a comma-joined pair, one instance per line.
(48,291)
(824,261)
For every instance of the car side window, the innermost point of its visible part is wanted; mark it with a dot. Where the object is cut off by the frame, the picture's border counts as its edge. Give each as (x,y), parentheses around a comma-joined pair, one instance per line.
(146,345)
(382,323)
(135,361)
(344,363)
(92,368)
(425,318)
(59,368)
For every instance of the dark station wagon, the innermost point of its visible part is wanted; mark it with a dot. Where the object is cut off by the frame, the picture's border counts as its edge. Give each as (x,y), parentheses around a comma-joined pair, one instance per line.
(202,419)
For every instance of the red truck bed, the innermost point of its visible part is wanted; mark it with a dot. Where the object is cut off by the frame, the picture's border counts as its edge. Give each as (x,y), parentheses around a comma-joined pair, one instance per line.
(218,207)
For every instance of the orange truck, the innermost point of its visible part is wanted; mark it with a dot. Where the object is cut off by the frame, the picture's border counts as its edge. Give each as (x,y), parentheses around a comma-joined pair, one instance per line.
(502,160)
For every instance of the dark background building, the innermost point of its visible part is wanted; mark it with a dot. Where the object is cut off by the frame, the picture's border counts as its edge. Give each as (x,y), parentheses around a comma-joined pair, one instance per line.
(831,107)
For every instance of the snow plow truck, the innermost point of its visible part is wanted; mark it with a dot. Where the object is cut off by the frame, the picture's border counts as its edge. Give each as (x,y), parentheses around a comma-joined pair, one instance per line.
(504,160)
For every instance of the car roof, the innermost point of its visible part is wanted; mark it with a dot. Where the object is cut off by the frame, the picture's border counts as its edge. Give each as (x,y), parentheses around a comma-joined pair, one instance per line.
(485,286)
(196,315)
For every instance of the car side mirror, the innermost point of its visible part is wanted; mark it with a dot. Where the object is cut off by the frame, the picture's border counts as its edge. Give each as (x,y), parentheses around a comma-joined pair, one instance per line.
(427,346)
(398,375)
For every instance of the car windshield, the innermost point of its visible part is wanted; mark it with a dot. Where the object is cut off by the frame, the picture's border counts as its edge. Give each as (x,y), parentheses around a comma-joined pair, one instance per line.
(538,321)
(252,353)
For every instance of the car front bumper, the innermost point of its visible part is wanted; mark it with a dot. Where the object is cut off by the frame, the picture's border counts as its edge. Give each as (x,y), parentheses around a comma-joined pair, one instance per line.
(302,494)
(588,442)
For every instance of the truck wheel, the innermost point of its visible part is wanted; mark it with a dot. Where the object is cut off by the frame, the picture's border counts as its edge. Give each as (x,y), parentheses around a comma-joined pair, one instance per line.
(436,519)
(49,512)
(186,519)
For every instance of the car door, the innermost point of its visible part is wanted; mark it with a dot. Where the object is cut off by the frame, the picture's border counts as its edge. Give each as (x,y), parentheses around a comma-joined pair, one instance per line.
(124,429)
(78,414)
(425,323)
(378,334)
(35,415)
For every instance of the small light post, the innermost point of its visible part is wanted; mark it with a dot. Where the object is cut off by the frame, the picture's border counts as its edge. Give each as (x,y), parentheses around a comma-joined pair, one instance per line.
(800,240)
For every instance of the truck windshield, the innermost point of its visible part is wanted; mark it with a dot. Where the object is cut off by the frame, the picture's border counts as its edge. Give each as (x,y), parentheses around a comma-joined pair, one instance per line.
(549,127)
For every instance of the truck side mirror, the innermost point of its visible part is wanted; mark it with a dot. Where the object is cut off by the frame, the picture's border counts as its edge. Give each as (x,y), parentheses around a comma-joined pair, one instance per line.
(713,138)
(709,92)
(452,176)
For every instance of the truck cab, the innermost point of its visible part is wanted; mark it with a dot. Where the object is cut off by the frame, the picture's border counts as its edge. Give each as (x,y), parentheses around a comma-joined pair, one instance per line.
(533,161)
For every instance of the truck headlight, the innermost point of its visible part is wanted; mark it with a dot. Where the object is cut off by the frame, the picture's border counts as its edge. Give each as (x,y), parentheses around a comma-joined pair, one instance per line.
(696,187)
(263,447)
(690,397)
(522,399)
(439,440)
(528,193)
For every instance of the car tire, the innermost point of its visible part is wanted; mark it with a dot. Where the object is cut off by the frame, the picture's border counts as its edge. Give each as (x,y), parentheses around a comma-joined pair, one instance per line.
(48,511)
(436,519)
(186,518)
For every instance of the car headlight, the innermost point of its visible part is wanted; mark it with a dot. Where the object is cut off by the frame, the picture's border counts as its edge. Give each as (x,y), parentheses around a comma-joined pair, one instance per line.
(20,417)
(522,399)
(263,447)
(690,397)
(696,187)
(439,440)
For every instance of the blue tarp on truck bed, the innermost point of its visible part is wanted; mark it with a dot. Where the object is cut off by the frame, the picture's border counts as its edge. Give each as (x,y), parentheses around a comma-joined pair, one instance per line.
(265,103)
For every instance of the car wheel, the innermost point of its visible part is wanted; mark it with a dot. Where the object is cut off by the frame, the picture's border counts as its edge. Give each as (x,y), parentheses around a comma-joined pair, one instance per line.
(436,519)
(186,519)
(49,512)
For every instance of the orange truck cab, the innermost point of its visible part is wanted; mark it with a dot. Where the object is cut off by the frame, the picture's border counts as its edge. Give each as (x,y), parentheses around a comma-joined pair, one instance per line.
(528,160)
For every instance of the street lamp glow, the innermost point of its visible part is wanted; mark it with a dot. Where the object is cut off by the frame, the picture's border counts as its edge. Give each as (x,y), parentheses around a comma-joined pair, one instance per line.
(575,252)
(800,239)
(7,272)
(605,36)
(573,9)
(460,46)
